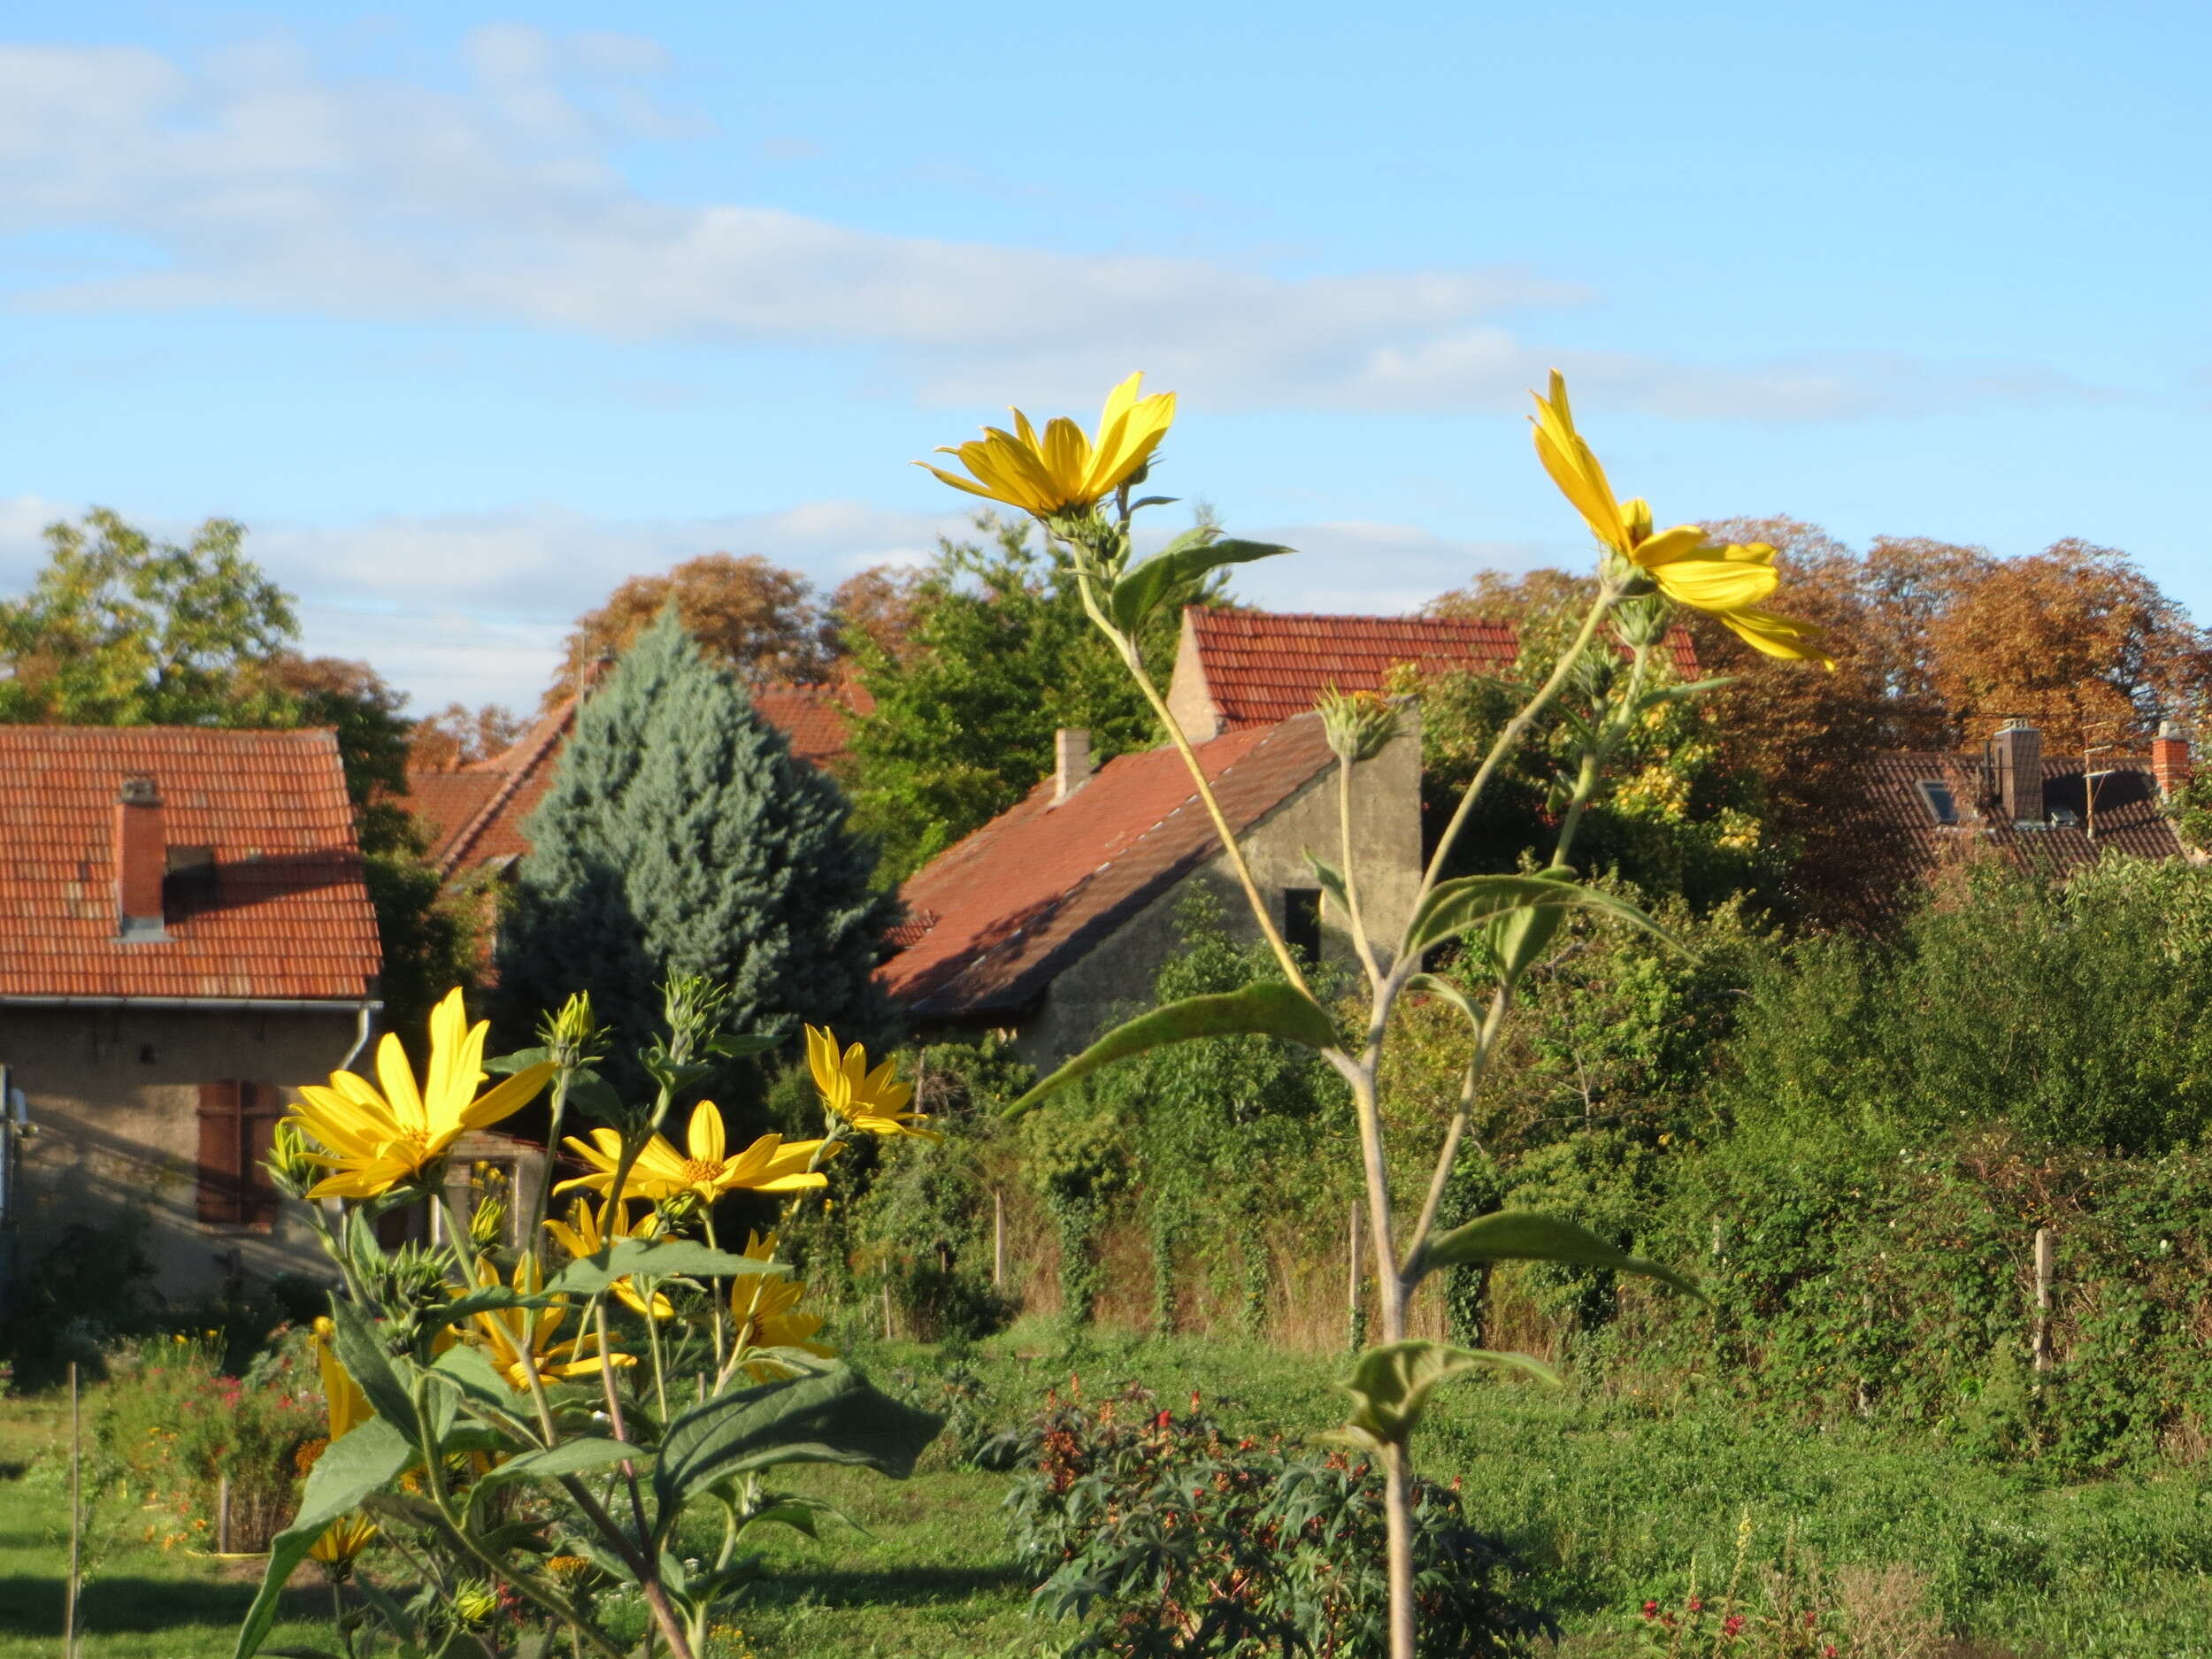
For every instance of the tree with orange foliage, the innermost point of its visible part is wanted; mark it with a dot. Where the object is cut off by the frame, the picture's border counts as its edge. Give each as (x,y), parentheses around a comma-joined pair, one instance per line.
(2075,640)
(755,618)
(459,735)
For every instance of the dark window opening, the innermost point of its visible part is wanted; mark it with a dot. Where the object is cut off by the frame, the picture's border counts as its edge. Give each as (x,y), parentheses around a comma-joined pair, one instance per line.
(1301,921)
(238,1121)
(1942,806)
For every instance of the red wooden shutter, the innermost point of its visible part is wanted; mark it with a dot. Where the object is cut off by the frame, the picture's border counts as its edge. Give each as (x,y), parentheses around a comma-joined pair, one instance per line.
(221,1198)
(261,1106)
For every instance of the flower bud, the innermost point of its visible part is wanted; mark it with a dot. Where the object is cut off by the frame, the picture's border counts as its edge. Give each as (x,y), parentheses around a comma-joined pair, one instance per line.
(1358,725)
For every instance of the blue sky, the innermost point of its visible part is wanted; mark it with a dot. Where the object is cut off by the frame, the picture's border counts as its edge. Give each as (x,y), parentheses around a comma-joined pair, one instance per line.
(468,313)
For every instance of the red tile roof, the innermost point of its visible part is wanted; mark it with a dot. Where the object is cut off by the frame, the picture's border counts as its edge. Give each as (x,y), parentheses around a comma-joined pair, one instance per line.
(818,719)
(1894,825)
(1009,908)
(287,915)
(476,813)
(1262,666)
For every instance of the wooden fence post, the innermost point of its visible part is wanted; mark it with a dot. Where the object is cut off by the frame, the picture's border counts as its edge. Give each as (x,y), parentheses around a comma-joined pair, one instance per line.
(998,1239)
(2040,1347)
(1353,1278)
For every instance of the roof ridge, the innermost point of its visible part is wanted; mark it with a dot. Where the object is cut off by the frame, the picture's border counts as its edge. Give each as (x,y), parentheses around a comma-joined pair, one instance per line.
(550,728)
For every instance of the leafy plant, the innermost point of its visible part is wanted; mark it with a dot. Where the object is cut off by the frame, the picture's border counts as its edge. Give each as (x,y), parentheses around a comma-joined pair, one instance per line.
(1168,1537)
(1603,691)
(531,1438)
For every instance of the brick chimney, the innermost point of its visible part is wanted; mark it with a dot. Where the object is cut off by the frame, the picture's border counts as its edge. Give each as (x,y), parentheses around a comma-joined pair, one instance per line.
(141,860)
(1072,765)
(2170,758)
(2017,755)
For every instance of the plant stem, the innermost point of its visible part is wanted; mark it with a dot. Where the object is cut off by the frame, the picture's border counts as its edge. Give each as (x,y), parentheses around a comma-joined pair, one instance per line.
(1506,739)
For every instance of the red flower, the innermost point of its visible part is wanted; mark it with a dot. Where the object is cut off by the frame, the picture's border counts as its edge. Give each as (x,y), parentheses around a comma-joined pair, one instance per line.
(1697,1604)
(1651,1609)
(1730,1625)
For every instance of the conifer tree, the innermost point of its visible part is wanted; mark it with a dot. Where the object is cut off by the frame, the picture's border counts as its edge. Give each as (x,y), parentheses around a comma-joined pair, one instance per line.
(680,836)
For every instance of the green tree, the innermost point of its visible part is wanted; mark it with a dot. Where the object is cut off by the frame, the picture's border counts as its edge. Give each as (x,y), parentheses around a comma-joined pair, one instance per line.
(996,656)
(120,629)
(1669,814)
(679,836)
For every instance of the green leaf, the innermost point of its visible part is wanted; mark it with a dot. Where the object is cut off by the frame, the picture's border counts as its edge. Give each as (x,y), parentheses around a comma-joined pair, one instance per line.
(594,1096)
(352,1467)
(1390,1386)
(520,1060)
(1437,986)
(1694,688)
(1454,907)
(1268,1009)
(787,1508)
(835,1416)
(471,1371)
(483,1299)
(354,1341)
(570,1457)
(1175,570)
(1523,1235)
(653,1258)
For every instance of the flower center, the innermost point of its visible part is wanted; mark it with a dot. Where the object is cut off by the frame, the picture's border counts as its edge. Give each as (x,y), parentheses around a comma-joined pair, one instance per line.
(702,1172)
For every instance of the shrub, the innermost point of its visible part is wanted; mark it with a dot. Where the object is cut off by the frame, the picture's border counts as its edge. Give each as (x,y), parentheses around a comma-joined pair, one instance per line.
(176,1427)
(1168,1538)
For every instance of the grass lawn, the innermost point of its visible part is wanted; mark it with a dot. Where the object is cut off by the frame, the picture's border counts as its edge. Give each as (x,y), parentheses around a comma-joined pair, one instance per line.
(1607,1508)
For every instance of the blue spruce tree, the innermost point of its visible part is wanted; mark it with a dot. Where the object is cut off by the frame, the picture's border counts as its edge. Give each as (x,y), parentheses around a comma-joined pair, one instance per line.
(680,836)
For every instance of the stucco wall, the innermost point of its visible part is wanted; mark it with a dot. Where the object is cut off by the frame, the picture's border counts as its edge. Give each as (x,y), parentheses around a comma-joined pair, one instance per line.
(114,1097)
(1387,848)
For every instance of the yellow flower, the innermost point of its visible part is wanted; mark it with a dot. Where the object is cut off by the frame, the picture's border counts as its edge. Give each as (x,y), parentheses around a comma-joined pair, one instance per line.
(341,1541)
(1063,471)
(1727,580)
(873,1100)
(348,1405)
(765,1308)
(582,1235)
(377,1142)
(508,1334)
(771,1164)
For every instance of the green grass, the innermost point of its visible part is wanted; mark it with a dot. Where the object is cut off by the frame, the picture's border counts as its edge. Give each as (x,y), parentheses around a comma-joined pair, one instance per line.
(1606,1506)
(139,1602)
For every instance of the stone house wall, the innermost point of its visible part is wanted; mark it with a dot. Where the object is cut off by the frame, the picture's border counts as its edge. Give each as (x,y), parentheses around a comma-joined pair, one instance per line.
(114,1097)
(1117,973)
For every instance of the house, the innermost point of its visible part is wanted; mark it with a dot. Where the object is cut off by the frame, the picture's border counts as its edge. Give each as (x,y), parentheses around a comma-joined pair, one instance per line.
(476,813)
(1053,917)
(185,936)
(1920,811)
(1242,668)
(1057,913)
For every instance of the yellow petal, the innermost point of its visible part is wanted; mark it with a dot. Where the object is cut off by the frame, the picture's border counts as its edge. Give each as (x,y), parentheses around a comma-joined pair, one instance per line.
(510,1096)
(706,1134)
(398,1078)
(1715,584)
(1574,469)
(1779,636)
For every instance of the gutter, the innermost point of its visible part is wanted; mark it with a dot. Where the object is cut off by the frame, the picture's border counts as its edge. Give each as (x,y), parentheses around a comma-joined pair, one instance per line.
(208,1004)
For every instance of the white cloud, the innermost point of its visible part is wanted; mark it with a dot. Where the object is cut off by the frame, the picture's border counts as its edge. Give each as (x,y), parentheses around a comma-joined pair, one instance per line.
(471,608)
(250,180)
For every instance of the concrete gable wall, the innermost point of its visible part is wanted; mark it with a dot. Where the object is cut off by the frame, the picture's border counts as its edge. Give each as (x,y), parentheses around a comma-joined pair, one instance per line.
(1116,978)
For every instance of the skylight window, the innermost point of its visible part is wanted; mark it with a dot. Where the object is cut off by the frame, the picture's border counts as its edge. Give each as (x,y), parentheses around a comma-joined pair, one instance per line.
(1941,804)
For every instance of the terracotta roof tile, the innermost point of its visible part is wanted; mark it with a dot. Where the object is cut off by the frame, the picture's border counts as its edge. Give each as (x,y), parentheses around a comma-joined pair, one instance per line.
(476,814)
(1264,666)
(287,915)
(1010,907)
(1900,827)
